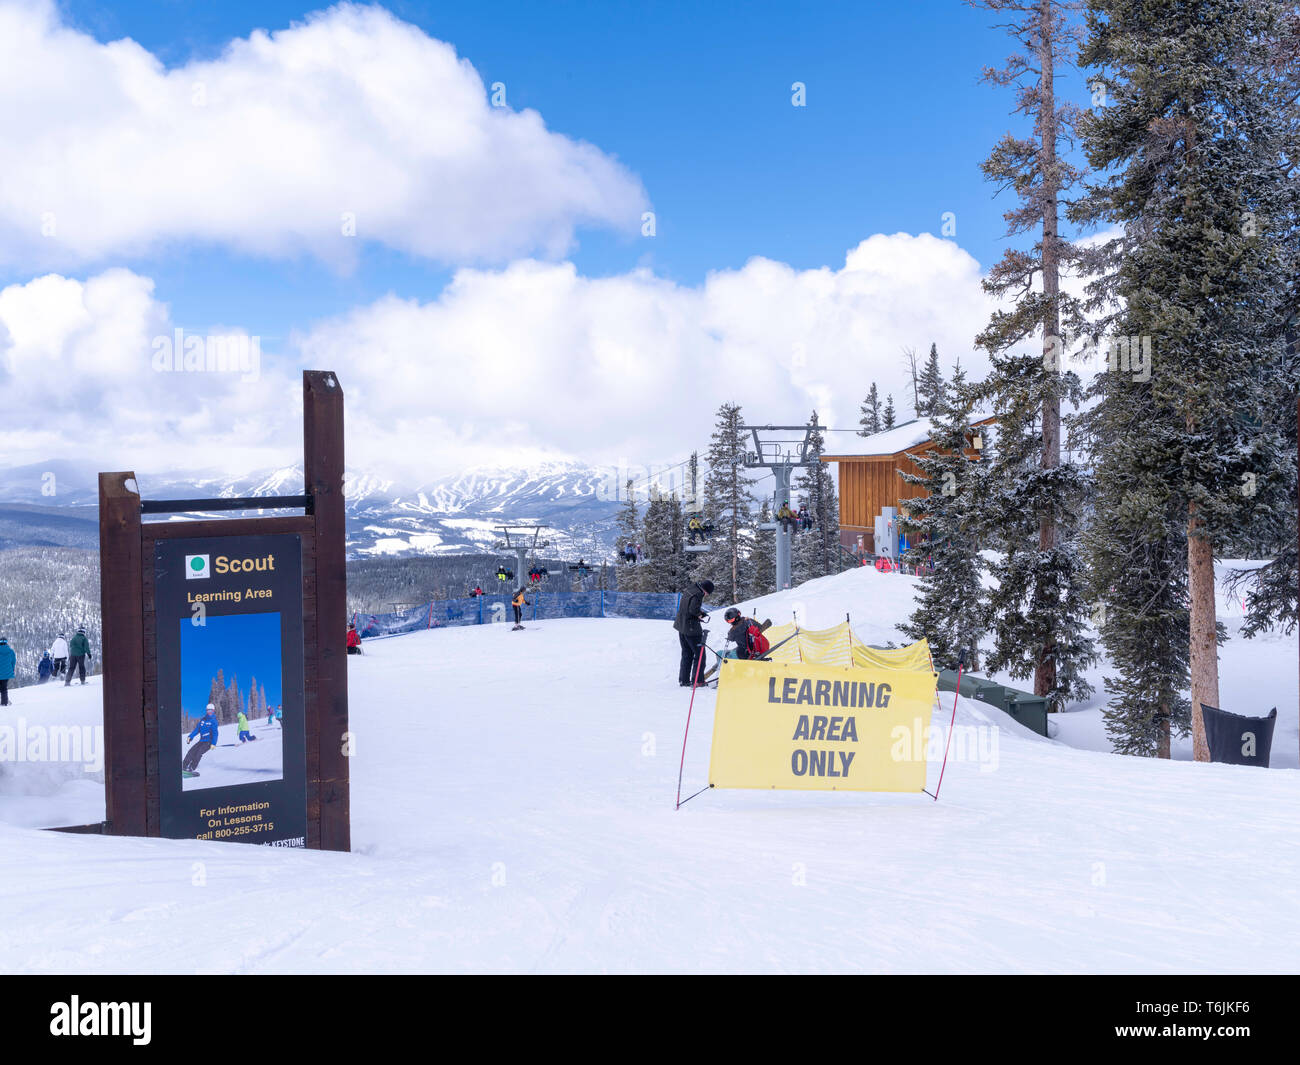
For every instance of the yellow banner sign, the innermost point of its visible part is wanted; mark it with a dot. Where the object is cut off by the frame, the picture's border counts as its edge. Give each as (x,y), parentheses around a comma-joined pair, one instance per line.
(793,726)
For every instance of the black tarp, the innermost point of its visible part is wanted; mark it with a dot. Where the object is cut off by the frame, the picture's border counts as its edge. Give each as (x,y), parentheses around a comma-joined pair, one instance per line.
(1232,738)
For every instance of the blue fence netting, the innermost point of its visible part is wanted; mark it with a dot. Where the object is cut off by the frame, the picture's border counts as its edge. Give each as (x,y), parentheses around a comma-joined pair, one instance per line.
(542,606)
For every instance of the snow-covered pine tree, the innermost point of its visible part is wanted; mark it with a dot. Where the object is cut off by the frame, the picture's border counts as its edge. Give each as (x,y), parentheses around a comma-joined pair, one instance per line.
(870,420)
(692,506)
(629,532)
(663,562)
(940,528)
(815,552)
(887,420)
(1031,504)
(729,504)
(930,385)
(1193,139)
(763,556)
(1270,593)
(1137,558)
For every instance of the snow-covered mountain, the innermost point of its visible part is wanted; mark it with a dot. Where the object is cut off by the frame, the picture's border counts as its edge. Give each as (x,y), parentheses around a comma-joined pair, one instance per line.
(455,513)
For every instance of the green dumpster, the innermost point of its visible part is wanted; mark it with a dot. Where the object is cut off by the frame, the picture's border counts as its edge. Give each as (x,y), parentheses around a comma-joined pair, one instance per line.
(1030,711)
(970,683)
(998,695)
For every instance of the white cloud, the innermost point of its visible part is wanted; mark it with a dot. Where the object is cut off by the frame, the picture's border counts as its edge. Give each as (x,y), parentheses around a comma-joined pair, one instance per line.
(633,367)
(265,148)
(78,381)
(505,366)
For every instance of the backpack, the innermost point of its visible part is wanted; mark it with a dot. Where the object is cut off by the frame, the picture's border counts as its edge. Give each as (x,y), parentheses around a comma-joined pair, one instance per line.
(759,644)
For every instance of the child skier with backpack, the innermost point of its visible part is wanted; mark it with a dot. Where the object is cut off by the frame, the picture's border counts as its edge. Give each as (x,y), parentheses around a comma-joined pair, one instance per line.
(746,634)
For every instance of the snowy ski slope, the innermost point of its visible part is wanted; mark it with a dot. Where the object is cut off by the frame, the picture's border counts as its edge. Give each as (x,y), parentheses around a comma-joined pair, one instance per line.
(513,811)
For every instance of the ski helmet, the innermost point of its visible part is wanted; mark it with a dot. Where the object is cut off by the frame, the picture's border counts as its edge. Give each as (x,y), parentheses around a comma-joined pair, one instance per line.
(731,614)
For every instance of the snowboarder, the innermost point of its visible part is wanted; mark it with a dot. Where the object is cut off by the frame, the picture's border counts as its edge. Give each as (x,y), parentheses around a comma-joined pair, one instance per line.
(245,733)
(629,552)
(746,634)
(44,668)
(8,661)
(690,633)
(207,732)
(518,602)
(805,519)
(354,640)
(78,653)
(59,652)
(696,528)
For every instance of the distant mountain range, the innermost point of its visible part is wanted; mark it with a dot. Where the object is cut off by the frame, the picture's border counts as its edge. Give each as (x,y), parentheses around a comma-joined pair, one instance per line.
(54,503)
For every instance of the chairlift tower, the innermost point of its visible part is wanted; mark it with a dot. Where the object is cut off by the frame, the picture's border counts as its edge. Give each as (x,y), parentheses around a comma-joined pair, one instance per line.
(781,448)
(521,545)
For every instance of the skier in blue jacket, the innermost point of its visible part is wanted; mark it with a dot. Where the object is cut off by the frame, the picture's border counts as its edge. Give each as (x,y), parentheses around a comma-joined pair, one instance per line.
(206,730)
(44,668)
(8,660)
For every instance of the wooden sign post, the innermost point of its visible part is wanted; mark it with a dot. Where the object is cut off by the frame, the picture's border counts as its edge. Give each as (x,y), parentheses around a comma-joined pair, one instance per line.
(192,610)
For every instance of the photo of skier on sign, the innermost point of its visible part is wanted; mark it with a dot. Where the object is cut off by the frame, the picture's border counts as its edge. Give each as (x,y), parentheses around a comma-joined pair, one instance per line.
(231,666)
(208,732)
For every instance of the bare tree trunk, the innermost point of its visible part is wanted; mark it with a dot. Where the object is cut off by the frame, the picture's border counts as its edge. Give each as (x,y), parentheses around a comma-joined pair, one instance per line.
(1045,670)
(1162,744)
(1204,646)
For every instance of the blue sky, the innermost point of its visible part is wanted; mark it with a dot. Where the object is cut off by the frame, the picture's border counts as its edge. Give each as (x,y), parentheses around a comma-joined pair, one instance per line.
(172,216)
(695,98)
(245,646)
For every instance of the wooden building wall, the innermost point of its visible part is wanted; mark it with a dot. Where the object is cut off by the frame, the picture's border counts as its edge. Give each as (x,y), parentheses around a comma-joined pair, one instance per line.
(869,484)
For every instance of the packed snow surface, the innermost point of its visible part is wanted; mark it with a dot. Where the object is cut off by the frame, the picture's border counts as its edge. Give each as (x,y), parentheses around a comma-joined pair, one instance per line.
(513,810)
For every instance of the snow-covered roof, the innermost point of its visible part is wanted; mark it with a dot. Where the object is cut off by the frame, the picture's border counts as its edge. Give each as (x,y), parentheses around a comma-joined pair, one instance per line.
(899,438)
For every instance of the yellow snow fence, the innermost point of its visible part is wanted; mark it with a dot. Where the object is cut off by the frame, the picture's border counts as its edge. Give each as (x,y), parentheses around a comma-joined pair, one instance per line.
(839,646)
(827,713)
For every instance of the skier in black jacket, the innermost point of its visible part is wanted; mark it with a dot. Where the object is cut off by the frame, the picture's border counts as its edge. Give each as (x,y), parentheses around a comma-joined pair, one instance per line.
(689,630)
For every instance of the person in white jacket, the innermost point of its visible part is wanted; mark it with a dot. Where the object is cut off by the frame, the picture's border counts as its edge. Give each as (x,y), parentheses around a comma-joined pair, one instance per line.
(59,652)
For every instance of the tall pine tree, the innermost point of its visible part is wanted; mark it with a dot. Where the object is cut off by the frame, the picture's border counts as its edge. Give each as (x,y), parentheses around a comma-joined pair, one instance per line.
(1193,142)
(815,551)
(1031,503)
(663,562)
(729,504)
(763,570)
(629,532)
(930,385)
(871,417)
(941,531)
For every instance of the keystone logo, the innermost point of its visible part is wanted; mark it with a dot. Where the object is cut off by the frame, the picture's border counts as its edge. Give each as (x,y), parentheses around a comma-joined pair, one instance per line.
(196,567)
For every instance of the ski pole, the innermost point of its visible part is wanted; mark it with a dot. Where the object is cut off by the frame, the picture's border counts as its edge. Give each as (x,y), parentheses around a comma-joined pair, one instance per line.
(682,766)
(961,662)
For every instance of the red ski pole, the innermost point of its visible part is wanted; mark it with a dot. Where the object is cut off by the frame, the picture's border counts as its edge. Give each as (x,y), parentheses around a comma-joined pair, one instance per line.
(961,662)
(699,662)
